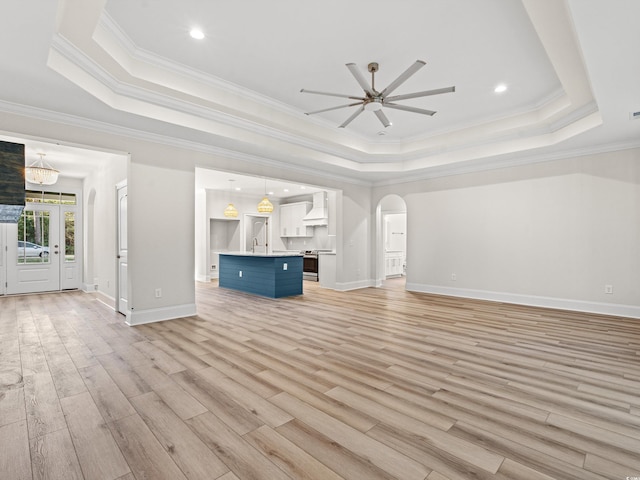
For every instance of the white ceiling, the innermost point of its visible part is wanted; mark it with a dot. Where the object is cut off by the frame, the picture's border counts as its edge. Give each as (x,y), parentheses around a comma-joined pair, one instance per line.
(571,67)
(280,47)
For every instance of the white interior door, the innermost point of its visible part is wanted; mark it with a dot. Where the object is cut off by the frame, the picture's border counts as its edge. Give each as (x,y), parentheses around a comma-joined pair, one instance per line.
(33,250)
(123,295)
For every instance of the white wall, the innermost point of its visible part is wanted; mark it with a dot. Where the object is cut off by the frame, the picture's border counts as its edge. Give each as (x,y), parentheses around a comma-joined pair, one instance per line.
(549,234)
(161,241)
(99,192)
(352,244)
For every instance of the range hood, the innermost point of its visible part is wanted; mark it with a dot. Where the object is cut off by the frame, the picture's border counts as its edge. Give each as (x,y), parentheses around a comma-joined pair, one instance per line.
(319,212)
(12,191)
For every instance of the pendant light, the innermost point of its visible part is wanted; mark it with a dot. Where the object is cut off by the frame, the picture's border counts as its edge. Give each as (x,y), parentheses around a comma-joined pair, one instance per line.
(230,211)
(41,173)
(265,206)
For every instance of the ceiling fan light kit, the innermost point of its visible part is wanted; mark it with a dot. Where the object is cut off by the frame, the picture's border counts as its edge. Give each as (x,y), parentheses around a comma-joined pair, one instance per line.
(374,101)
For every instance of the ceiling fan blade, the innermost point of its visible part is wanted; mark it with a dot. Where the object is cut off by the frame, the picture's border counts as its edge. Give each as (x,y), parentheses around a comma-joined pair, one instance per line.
(383,118)
(426,93)
(341,95)
(334,108)
(352,117)
(403,77)
(409,109)
(353,68)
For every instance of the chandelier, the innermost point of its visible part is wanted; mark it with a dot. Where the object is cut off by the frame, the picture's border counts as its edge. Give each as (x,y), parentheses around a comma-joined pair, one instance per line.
(41,173)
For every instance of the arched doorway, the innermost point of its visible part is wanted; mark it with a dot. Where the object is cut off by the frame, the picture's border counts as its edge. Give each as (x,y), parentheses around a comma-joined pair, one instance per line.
(391,228)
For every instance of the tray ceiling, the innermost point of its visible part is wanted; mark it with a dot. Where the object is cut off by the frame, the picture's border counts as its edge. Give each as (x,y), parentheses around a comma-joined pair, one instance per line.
(134,64)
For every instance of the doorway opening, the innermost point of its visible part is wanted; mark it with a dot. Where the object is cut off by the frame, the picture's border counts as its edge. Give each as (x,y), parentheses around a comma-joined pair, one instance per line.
(391,215)
(257,237)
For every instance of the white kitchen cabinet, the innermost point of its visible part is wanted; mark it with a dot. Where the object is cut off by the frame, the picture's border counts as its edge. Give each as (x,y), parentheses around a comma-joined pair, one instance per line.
(394,264)
(291,224)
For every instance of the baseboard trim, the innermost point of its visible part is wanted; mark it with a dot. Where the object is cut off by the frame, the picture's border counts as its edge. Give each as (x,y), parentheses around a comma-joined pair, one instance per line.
(152,315)
(630,311)
(106,299)
(346,286)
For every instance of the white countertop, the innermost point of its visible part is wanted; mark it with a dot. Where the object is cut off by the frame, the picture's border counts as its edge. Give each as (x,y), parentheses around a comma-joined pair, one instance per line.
(261,254)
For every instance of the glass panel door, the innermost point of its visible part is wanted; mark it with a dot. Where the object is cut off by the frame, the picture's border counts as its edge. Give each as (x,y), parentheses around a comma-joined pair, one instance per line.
(33,260)
(33,237)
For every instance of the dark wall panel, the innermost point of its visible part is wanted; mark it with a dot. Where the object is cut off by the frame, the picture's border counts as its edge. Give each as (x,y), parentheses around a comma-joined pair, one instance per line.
(12,191)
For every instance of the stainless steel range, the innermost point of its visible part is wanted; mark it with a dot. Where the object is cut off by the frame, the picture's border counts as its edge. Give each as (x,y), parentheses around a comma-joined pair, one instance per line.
(310,265)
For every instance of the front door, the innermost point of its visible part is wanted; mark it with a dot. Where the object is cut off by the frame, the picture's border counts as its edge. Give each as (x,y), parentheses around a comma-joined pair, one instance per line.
(33,251)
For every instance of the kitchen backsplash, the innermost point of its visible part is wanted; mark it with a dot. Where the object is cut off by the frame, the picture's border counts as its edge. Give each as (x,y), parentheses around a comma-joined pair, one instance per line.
(320,241)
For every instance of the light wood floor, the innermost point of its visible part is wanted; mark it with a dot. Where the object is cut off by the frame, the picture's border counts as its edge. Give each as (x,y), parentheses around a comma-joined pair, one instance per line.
(363,385)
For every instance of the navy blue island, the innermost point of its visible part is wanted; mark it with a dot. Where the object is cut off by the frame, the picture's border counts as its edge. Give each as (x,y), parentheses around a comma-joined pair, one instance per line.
(271,275)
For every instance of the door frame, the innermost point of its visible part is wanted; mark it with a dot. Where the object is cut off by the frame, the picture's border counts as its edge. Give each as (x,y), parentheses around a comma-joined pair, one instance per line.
(122,309)
(248,224)
(379,233)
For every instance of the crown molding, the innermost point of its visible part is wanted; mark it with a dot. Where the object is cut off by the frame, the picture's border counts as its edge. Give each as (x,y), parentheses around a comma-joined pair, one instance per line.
(507,161)
(111,129)
(387,156)
(331,157)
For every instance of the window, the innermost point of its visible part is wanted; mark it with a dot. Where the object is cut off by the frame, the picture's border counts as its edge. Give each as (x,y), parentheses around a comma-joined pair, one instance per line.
(33,237)
(69,236)
(51,197)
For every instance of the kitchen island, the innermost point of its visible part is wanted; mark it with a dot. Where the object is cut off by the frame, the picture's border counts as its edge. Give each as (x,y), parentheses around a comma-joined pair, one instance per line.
(271,275)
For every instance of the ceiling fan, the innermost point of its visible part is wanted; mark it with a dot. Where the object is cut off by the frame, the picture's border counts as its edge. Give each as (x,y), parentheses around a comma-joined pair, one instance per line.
(374,100)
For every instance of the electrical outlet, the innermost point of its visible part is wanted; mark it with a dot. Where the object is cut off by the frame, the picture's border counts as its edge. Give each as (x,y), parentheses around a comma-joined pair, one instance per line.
(158,292)
(213,267)
(454,277)
(240,273)
(608,289)
(284,266)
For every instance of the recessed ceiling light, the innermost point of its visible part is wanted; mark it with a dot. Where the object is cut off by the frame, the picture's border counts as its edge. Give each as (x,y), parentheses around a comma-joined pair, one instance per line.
(286,189)
(303,188)
(500,88)
(238,189)
(196,33)
(270,193)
